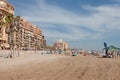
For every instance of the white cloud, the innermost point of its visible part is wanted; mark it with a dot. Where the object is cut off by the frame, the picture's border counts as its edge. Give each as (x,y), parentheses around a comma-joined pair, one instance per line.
(116,1)
(104,15)
(75,34)
(101,19)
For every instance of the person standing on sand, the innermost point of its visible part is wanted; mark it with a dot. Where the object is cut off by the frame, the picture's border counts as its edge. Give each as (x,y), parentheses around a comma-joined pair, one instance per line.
(106,49)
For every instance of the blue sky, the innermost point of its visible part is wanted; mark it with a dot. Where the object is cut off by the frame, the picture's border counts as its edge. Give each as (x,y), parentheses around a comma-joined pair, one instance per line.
(82,23)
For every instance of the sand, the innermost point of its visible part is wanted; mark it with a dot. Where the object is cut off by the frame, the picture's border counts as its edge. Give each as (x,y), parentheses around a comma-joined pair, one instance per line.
(30,66)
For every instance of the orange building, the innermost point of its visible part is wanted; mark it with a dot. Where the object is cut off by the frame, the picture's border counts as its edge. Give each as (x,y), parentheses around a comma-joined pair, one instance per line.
(30,36)
(5,9)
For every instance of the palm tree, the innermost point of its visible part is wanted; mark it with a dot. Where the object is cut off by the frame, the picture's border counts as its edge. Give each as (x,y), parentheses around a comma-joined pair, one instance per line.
(8,19)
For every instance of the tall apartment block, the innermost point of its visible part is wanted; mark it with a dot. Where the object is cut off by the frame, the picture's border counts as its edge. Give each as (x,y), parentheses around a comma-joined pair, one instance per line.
(5,9)
(30,36)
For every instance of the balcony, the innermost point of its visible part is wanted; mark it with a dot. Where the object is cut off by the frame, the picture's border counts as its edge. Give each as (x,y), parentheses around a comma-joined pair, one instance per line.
(6,7)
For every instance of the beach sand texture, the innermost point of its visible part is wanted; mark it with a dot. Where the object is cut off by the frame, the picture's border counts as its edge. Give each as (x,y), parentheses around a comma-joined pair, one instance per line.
(59,67)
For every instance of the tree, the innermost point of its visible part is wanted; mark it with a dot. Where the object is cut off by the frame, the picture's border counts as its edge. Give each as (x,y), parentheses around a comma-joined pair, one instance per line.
(8,19)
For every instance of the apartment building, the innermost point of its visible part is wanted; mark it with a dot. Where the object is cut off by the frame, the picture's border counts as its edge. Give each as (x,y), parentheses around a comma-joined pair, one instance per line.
(29,36)
(5,9)
(60,44)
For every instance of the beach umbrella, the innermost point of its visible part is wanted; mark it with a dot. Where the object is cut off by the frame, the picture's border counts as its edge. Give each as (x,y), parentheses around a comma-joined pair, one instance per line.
(111,48)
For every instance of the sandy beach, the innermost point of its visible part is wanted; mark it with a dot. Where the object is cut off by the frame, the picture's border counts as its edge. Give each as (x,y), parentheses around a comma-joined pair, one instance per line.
(32,66)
